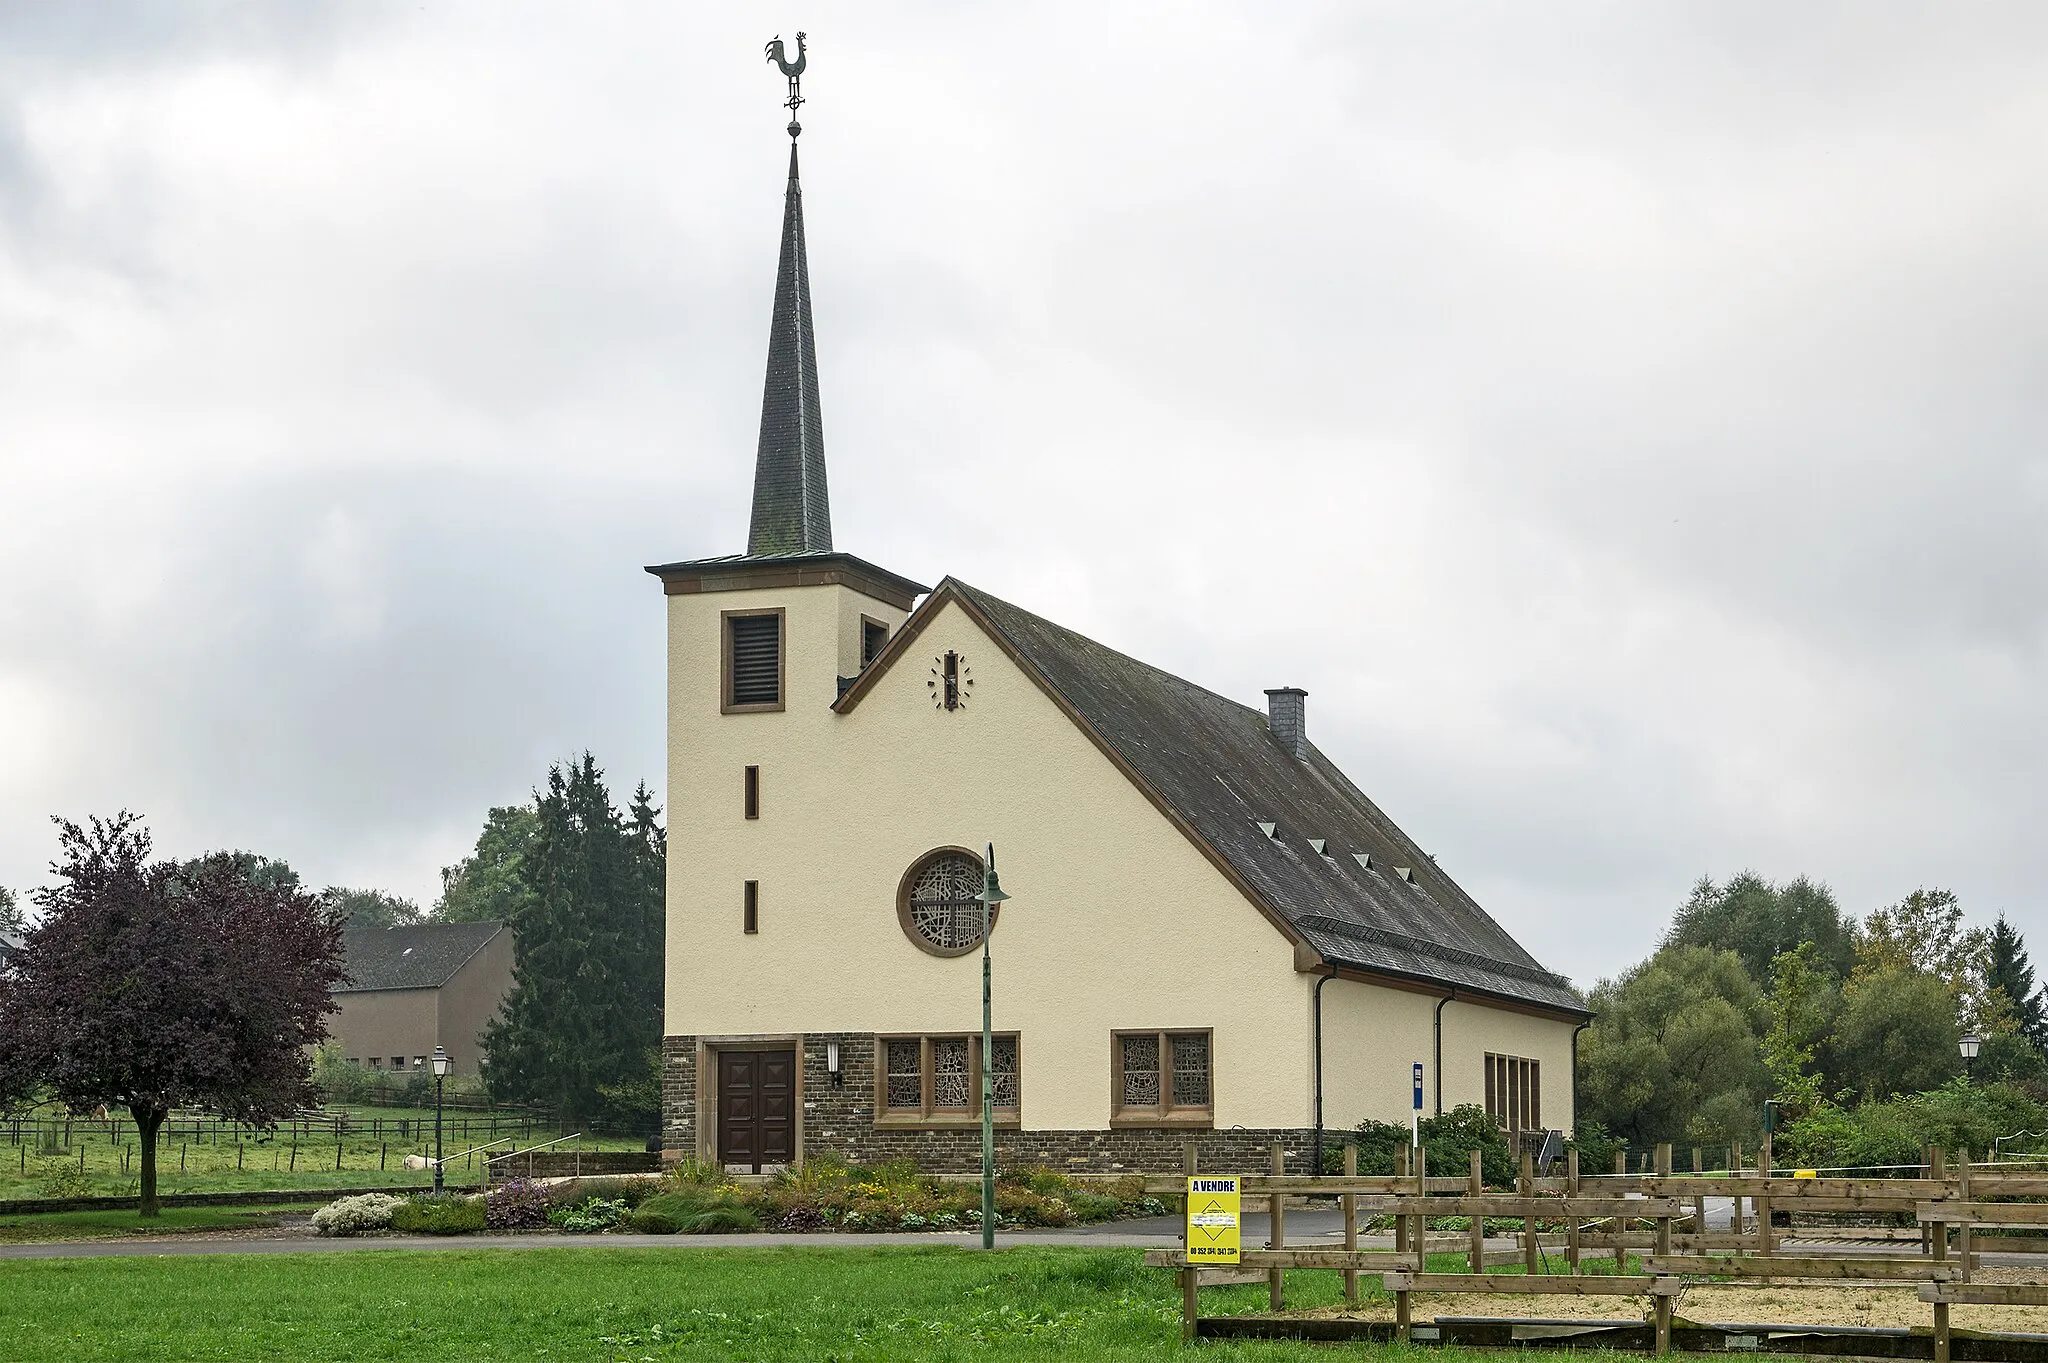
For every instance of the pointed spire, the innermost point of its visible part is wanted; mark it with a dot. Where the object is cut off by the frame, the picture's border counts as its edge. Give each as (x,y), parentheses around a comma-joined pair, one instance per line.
(792,514)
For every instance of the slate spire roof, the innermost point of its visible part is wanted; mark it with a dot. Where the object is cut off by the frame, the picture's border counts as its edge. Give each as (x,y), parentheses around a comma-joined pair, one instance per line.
(792,514)
(1297,838)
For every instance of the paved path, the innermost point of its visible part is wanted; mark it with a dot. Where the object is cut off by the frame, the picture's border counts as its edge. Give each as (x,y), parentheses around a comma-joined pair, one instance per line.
(1094,1237)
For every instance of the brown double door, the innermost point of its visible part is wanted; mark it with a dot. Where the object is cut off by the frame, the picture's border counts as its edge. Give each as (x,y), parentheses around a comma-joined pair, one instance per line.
(756,1110)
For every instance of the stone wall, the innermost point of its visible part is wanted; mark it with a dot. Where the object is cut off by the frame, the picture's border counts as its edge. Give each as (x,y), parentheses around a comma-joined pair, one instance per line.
(839,1118)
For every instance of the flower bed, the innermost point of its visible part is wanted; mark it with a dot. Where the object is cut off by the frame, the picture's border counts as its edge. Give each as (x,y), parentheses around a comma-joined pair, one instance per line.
(691,1198)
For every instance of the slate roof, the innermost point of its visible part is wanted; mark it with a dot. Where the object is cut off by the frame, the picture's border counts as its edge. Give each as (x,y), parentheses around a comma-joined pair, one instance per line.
(1215,769)
(423,957)
(792,514)
(9,946)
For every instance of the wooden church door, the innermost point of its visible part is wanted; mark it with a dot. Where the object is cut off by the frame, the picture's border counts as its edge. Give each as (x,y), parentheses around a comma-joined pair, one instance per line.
(756,1110)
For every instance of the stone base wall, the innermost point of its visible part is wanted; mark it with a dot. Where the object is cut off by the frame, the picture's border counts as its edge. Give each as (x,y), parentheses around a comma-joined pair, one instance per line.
(839,1119)
(678,1097)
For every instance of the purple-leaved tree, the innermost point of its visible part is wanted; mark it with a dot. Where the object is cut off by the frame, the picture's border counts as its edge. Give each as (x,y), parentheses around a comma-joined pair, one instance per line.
(161,986)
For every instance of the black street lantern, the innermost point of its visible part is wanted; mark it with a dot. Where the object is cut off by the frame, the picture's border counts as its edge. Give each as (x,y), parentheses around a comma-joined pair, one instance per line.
(1968,1045)
(441,1064)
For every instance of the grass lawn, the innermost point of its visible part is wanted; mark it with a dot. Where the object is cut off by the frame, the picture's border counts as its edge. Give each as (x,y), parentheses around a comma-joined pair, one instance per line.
(803,1305)
(15,1230)
(364,1159)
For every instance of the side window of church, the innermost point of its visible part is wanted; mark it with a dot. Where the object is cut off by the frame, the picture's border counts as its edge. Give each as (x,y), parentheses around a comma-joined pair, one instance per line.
(940,1076)
(1162,1076)
(1514,1092)
(753,656)
(874,635)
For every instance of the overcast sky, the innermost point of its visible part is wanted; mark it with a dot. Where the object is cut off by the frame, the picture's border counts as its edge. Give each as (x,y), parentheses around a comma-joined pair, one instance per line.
(1626,420)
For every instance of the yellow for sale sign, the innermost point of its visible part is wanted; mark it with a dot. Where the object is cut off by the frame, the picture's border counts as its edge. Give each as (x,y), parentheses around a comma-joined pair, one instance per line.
(1212,1220)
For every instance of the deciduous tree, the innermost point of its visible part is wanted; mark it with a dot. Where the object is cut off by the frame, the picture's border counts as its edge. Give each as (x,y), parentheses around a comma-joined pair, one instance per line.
(1760,921)
(1672,1052)
(489,885)
(158,986)
(1804,1002)
(1898,1032)
(369,908)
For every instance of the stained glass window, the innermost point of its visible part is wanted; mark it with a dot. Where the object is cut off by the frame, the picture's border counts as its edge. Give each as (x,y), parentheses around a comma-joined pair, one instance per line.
(1002,1072)
(946,1068)
(905,1076)
(1190,1070)
(942,908)
(950,1075)
(1141,1071)
(1164,1074)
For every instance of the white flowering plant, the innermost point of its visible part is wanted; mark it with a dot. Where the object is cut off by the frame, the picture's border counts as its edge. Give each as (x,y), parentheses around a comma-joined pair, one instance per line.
(356,1215)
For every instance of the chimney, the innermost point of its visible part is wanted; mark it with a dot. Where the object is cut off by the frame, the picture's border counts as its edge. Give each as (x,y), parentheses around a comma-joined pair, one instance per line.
(1287,718)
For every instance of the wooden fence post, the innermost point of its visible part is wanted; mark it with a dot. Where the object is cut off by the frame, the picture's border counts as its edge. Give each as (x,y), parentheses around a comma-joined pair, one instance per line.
(1662,1302)
(1938,1232)
(1763,1203)
(1349,1202)
(1735,1171)
(1571,1189)
(1965,1238)
(1400,1222)
(1621,1162)
(1187,1275)
(1475,1186)
(1276,1215)
(1402,1319)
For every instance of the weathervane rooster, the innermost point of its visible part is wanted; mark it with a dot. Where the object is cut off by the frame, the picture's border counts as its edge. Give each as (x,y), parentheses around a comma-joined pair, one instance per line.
(794,70)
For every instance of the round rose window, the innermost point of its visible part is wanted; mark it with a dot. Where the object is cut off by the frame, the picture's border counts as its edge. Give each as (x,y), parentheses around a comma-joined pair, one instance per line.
(937,904)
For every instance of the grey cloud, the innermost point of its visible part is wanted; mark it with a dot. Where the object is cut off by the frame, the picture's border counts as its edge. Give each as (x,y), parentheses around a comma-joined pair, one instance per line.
(1625,422)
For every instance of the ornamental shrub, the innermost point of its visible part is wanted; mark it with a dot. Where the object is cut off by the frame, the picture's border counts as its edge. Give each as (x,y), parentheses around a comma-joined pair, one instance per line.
(698,1210)
(646,1222)
(63,1180)
(439,1216)
(1092,1206)
(591,1217)
(722,1218)
(517,1204)
(356,1215)
(631,1191)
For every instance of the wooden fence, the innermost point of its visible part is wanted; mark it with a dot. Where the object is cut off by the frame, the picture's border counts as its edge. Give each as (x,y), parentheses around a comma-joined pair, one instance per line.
(68,1132)
(1660,1217)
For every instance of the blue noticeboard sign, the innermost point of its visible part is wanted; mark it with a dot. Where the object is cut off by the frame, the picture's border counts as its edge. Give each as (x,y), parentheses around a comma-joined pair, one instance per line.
(1418,1086)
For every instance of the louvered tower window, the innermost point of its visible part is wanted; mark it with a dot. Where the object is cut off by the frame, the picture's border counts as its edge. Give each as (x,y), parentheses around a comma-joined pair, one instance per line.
(753,649)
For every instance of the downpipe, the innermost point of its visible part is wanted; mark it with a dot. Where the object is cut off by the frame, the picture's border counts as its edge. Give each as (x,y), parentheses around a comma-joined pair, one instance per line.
(1440,1049)
(1320,982)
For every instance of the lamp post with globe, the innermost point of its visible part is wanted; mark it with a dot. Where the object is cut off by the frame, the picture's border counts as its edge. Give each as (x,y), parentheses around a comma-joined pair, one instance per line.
(990,896)
(441,1065)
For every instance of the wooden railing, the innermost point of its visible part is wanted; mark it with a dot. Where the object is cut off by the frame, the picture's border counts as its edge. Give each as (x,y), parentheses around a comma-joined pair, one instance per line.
(1659,1216)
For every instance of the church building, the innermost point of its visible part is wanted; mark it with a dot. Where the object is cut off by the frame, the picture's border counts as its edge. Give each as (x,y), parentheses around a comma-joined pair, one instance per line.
(1212,935)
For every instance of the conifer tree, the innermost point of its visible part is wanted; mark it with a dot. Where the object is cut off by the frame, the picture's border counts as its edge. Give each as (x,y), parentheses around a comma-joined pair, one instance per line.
(585,1008)
(2007,971)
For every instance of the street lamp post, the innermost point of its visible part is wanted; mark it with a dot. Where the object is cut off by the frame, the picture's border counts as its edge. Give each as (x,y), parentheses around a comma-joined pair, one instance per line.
(1968,1046)
(990,896)
(441,1064)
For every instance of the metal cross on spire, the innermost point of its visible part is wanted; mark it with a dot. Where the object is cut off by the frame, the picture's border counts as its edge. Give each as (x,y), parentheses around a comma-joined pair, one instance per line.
(795,71)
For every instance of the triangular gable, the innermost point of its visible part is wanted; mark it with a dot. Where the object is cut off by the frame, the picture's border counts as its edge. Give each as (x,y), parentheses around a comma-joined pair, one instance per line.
(1254,810)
